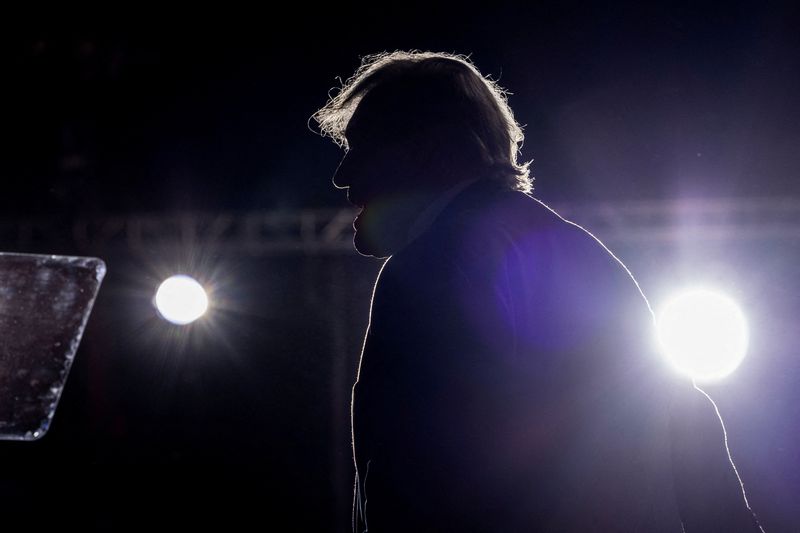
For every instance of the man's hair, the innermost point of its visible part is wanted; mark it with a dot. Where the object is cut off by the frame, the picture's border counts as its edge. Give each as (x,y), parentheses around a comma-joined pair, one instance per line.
(422,91)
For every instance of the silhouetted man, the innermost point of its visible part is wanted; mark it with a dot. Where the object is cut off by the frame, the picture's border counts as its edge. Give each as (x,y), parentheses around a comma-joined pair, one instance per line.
(507,381)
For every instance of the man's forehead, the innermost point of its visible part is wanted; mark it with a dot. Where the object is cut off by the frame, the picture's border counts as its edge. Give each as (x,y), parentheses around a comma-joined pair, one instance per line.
(374,120)
(363,122)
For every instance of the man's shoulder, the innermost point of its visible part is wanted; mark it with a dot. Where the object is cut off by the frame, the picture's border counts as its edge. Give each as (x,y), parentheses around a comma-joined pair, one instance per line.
(487,234)
(485,220)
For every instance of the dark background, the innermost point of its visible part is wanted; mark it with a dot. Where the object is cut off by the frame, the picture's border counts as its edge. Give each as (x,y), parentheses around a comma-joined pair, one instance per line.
(241,419)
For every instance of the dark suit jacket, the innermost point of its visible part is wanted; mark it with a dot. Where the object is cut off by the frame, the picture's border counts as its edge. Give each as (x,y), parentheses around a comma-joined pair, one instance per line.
(508,382)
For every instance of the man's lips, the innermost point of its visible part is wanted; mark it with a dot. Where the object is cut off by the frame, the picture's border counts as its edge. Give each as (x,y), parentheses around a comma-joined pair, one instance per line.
(356,201)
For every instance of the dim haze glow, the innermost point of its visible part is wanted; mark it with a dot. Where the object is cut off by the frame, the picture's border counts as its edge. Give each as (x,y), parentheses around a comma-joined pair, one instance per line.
(703,334)
(181,300)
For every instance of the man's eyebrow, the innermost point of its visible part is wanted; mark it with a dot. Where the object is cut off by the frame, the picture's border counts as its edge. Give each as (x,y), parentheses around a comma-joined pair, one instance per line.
(348,132)
(349,136)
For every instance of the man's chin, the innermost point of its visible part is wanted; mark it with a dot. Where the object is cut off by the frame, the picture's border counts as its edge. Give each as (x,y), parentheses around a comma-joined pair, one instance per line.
(379,236)
(369,247)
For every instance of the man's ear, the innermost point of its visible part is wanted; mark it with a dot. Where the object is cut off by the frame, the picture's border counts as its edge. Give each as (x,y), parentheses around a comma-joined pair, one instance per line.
(438,158)
(458,159)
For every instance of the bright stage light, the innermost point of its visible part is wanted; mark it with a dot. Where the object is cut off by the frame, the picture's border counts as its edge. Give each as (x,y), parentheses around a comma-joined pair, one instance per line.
(703,334)
(181,300)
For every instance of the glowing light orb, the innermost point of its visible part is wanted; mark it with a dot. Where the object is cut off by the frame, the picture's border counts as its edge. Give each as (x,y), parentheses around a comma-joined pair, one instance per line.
(181,300)
(703,334)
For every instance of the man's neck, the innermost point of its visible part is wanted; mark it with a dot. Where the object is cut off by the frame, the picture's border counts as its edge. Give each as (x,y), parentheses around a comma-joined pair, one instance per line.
(426,217)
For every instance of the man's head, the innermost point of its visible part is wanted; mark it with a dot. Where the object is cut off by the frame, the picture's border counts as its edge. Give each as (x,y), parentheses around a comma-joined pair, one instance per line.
(413,125)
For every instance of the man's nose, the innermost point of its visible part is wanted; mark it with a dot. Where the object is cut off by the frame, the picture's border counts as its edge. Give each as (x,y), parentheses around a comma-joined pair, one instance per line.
(339,179)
